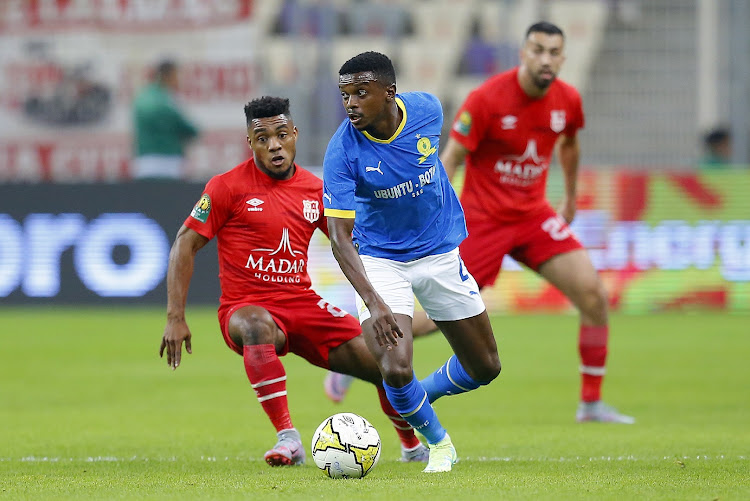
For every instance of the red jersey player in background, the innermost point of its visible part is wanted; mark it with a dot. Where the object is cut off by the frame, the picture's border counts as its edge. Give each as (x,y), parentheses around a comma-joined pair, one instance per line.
(505,133)
(263,214)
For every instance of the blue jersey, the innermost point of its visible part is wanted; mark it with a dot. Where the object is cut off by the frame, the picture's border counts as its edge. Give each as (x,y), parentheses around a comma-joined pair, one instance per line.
(396,189)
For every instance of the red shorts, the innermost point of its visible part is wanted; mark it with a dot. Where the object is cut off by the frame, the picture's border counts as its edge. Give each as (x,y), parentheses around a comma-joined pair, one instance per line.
(311,325)
(530,241)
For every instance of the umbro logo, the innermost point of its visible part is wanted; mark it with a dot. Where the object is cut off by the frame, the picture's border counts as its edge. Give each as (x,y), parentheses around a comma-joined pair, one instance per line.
(254,204)
(508,122)
(374,169)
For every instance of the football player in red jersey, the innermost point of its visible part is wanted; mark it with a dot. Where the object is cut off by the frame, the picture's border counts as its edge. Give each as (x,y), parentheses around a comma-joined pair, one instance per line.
(263,214)
(505,133)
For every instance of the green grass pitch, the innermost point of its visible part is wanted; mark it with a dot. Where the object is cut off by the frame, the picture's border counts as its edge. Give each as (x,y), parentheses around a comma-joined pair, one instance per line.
(89,411)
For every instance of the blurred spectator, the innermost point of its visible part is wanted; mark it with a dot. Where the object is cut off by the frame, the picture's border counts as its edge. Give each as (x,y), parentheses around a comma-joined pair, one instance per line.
(627,13)
(378,19)
(717,144)
(310,18)
(480,57)
(161,132)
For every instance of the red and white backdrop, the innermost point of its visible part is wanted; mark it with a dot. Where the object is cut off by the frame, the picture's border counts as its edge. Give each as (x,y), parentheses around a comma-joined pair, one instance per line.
(69,70)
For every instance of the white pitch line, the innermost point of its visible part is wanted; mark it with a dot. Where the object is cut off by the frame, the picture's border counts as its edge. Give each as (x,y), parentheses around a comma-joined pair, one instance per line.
(507,459)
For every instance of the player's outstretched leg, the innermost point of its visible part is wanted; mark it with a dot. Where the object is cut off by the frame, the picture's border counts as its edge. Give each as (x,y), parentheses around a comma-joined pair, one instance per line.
(442,456)
(474,343)
(592,348)
(422,325)
(573,274)
(354,360)
(417,454)
(336,385)
(411,402)
(288,450)
(450,379)
(412,450)
(602,413)
(257,337)
(268,378)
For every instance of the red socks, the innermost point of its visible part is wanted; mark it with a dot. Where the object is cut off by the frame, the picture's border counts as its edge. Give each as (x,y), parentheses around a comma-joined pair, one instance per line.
(592,347)
(405,432)
(268,377)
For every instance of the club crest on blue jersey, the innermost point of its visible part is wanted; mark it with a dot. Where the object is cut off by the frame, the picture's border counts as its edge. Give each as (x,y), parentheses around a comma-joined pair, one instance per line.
(425,148)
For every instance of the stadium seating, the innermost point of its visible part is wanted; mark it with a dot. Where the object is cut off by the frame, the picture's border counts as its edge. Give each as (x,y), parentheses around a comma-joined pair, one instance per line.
(446,47)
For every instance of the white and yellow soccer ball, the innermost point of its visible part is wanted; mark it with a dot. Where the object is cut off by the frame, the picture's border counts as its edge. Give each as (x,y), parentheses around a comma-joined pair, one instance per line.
(346,445)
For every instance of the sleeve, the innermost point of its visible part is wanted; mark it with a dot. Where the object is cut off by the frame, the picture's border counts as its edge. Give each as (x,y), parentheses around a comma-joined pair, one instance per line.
(436,112)
(322,222)
(323,226)
(576,113)
(339,182)
(212,210)
(468,126)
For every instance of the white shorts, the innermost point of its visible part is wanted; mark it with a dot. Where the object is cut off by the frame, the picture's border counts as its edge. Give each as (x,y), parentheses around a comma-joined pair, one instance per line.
(444,288)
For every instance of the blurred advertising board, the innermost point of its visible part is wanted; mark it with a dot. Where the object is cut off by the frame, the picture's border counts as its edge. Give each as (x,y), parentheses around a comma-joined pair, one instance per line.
(661,241)
(97,243)
(69,70)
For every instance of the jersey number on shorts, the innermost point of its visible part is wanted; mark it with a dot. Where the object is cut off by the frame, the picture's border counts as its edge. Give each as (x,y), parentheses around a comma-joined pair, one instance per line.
(556,228)
(464,276)
(333,310)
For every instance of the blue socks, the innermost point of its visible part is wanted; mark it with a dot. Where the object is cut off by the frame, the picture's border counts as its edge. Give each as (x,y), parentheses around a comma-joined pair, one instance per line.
(412,403)
(450,379)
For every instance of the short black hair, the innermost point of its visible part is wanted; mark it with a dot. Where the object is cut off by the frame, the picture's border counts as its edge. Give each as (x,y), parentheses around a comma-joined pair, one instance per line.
(164,68)
(544,27)
(266,106)
(380,65)
(716,136)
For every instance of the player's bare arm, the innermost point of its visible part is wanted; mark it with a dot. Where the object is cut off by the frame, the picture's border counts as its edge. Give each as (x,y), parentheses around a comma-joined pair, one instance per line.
(181,261)
(386,328)
(453,157)
(568,154)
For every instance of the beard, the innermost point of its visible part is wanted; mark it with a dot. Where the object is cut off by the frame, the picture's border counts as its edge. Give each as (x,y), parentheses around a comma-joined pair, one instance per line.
(543,82)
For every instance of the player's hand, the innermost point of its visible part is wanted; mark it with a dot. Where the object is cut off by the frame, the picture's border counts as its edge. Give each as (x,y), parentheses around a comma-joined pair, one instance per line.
(387,331)
(568,209)
(175,333)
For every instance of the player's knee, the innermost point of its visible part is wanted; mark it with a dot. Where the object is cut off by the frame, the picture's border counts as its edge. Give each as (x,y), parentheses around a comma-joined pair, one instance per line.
(397,373)
(595,299)
(252,328)
(490,370)
(485,370)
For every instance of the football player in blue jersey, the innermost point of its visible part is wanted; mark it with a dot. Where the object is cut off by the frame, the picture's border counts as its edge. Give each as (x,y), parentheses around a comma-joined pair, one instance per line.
(395,225)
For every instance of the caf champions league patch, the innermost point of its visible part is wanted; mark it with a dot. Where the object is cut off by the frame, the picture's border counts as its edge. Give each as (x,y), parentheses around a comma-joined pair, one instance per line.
(463,123)
(202,209)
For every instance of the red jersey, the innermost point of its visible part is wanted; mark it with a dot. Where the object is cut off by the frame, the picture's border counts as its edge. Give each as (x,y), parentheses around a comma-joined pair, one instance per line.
(263,228)
(510,137)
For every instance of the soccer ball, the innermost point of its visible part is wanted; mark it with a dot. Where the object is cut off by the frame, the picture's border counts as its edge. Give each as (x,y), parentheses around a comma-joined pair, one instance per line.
(346,445)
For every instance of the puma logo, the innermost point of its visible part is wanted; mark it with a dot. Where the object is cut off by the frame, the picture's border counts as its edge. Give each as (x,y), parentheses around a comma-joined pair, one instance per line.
(374,169)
